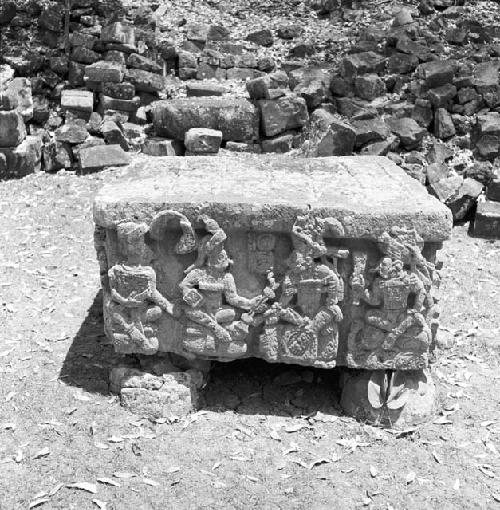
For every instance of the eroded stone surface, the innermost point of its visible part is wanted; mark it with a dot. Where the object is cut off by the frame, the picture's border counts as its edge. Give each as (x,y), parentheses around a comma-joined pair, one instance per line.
(317,262)
(236,118)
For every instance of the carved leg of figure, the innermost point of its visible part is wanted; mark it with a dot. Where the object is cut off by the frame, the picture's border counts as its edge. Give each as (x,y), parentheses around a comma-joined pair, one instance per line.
(204,319)
(140,342)
(413,319)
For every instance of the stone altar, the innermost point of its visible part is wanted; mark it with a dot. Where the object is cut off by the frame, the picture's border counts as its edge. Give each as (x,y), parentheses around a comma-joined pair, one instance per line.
(321,262)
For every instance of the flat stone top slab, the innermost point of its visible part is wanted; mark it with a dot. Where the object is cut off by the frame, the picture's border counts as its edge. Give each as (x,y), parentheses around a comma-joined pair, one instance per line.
(367,194)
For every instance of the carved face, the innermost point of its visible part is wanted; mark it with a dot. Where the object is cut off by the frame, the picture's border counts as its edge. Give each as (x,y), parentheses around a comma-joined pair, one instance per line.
(219,260)
(385,267)
(397,268)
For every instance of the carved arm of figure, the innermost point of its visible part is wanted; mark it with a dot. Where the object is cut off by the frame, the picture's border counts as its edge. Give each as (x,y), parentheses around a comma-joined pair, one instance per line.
(137,300)
(289,290)
(233,298)
(373,297)
(218,235)
(163,303)
(135,334)
(417,286)
(332,286)
(189,294)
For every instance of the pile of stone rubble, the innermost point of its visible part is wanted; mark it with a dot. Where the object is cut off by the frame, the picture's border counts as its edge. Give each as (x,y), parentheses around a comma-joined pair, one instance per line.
(420,86)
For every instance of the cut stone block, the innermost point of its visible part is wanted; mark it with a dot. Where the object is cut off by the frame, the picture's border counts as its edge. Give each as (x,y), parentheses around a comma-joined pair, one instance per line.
(162,147)
(119,33)
(118,90)
(113,134)
(318,262)
(101,156)
(278,144)
(330,135)
(8,102)
(436,73)
(146,64)
(105,71)
(203,141)
(493,190)
(236,118)
(286,113)
(205,89)
(145,81)
(79,100)
(12,129)
(124,105)
(487,219)
(72,132)
(21,89)
(23,160)
(362,63)
(165,396)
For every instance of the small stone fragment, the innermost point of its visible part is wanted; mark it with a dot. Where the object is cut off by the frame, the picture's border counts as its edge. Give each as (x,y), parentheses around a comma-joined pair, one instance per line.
(203,141)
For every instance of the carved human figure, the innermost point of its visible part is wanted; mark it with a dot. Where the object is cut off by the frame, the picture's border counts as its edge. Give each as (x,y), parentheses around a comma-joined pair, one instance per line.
(135,306)
(406,245)
(390,291)
(209,290)
(310,291)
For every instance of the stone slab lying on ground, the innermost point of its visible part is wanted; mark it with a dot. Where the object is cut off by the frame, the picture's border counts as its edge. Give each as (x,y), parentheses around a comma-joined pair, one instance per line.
(236,118)
(101,156)
(319,262)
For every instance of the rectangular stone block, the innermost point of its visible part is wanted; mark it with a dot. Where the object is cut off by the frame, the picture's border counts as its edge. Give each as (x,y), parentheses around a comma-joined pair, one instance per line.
(145,81)
(162,147)
(125,105)
(22,160)
(101,156)
(236,118)
(120,33)
(286,113)
(81,100)
(105,71)
(320,262)
(493,190)
(487,219)
(21,89)
(12,129)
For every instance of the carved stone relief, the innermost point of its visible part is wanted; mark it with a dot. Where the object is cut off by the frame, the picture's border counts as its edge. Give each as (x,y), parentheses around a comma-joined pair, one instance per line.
(394,306)
(302,325)
(386,316)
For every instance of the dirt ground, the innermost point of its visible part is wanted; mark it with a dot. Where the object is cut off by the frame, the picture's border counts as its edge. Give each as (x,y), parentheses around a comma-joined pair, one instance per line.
(266,436)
